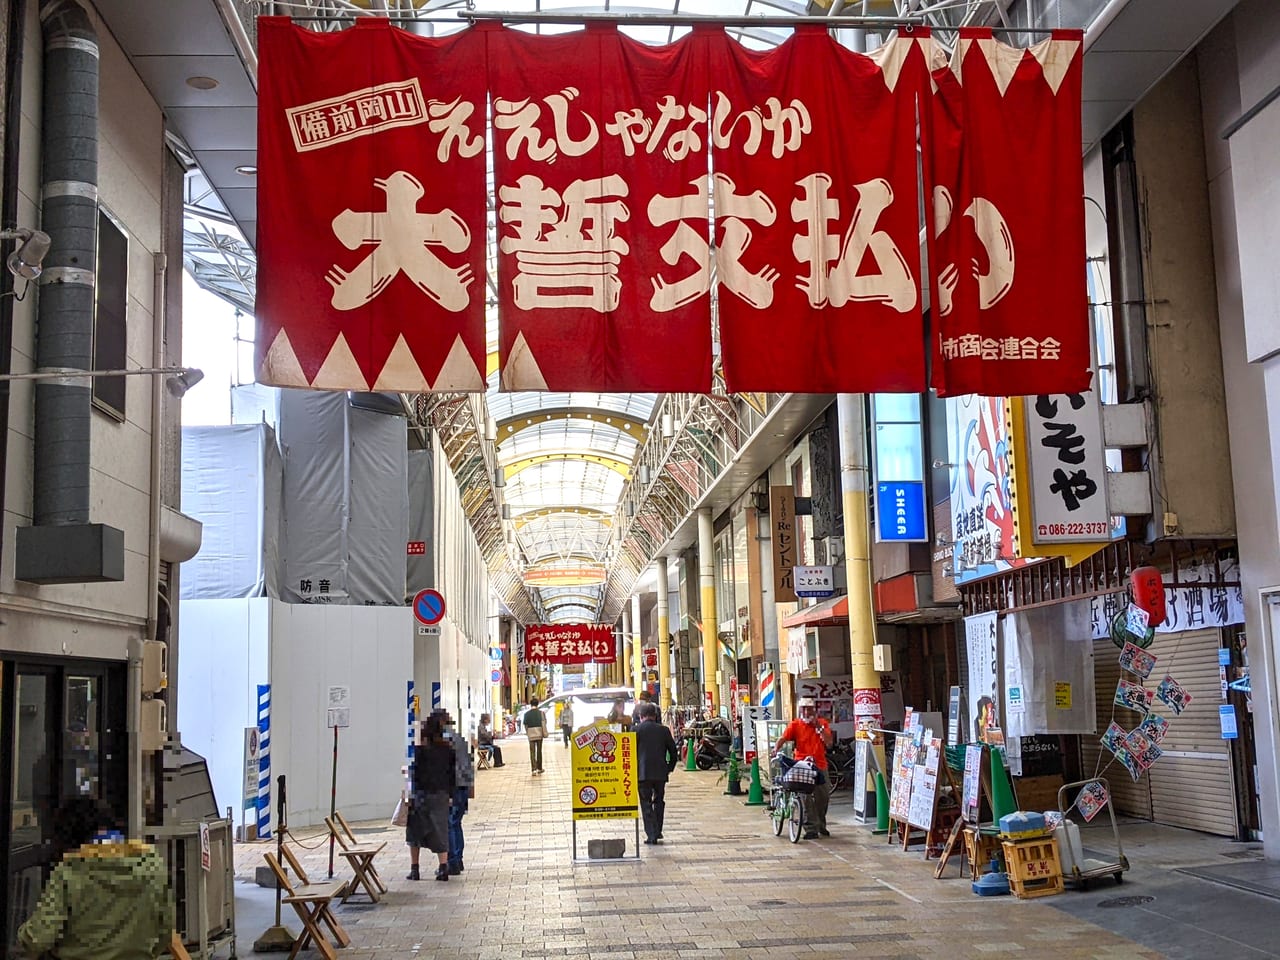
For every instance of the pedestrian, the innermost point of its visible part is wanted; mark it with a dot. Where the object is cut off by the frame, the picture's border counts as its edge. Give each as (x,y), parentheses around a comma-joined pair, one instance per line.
(656,757)
(811,735)
(484,740)
(109,897)
(535,727)
(464,790)
(566,723)
(618,715)
(434,779)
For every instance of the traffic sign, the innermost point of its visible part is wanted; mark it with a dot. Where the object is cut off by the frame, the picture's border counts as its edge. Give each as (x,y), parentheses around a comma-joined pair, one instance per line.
(428,606)
(495,676)
(495,654)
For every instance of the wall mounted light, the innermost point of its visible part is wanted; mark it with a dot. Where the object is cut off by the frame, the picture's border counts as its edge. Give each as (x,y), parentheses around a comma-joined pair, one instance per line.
(27,260)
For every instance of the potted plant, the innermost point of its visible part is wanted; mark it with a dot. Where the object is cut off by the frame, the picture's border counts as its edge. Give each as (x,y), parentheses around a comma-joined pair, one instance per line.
(734,775)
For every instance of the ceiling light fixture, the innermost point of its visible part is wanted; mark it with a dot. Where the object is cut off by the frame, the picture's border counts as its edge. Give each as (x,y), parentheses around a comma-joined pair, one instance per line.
(201,83)
(247,170)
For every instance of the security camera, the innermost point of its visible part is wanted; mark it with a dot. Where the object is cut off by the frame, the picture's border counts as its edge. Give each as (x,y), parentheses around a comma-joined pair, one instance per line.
(26,261)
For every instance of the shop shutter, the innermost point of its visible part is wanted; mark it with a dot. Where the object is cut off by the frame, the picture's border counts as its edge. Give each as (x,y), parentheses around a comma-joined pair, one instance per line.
(1192,784)
(1129,797)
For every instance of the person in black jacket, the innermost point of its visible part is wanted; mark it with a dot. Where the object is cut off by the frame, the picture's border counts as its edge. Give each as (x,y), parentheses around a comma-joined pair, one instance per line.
(434,779)
(656,753)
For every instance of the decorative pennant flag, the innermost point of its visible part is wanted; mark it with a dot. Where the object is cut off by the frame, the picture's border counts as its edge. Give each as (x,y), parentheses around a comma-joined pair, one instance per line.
(600,159)
(1136,660)
(1154,727)
(1091,799)
(1174,695)
(371,240)
(1007,243)
(1132,696)
(817,219)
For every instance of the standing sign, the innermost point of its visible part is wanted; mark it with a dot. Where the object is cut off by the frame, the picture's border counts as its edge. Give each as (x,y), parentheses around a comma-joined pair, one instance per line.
(749,716)
(250,767)
(782,522)
(972,782)
(338,713)
(605,776)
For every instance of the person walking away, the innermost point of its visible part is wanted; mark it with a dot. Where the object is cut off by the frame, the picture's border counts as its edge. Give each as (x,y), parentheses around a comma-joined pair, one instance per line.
(535,727)
(484,739)
(434,779)
(464,790)
(811,735)
(656,758)
(618,715)
(566,723)
(107,900)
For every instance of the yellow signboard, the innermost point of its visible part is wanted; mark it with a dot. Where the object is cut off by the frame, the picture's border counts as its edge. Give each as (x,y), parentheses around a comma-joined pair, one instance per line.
(605,775)
(1062,695)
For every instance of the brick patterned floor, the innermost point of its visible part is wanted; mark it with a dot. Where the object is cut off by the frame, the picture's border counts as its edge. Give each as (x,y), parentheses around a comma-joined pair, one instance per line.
(720,885)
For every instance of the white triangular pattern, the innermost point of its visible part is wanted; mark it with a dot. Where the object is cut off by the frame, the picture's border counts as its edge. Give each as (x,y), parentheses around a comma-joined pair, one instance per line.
(521,371)
(1002,59)
(958,55)
(280,367)
(1055,58)
(401,373)
(459,371)
(340,370)
(890,57)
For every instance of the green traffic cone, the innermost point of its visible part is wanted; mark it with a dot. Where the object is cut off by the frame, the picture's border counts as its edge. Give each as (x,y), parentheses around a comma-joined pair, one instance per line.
(689,762)
(755,793)
(1002,802)
(882,805)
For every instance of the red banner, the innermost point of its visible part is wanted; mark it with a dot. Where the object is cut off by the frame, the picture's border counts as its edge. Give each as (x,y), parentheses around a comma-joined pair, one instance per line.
(371,208)
(817,217)
(569,643)
(1010,302)
(600,161)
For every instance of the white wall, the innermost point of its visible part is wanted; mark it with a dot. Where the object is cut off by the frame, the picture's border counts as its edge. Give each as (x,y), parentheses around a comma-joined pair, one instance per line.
(1238,62)
(224,658)
(313,647)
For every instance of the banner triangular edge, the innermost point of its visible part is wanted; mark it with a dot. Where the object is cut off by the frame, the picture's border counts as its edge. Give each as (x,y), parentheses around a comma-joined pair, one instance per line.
(1002,59)
(1055,58)
(459,371)
(280,366)
(521,371)
(401,373)
(340,371)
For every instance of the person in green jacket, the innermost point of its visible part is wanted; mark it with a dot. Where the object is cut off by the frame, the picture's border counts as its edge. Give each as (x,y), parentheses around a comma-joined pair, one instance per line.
(107,900)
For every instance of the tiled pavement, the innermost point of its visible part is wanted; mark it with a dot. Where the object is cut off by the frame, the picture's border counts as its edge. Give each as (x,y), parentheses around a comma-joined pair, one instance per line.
(721,885)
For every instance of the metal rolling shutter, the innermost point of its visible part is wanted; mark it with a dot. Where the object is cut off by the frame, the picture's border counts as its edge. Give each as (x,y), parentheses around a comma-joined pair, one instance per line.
(1129,797)
(1192,784)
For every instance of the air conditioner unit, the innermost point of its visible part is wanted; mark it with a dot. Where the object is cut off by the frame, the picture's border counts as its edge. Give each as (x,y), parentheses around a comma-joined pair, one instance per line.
(834,547)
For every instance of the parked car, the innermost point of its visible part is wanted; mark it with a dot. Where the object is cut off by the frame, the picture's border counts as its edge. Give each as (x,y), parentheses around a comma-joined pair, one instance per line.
(589,704)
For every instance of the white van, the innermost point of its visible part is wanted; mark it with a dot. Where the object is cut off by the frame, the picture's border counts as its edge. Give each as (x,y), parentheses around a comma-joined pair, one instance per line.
(589,703)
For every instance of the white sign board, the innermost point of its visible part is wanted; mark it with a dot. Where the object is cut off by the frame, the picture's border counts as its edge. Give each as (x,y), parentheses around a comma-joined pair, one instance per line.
(338,712)
(749,716)
(206,854)
(1068,469)
(813,581)
(250,767)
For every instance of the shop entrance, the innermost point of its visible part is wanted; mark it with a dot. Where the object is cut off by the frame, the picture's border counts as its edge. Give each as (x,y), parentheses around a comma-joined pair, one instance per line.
(62,734)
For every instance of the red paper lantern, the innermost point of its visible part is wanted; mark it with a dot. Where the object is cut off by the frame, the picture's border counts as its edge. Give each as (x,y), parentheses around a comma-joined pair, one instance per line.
(1148,593)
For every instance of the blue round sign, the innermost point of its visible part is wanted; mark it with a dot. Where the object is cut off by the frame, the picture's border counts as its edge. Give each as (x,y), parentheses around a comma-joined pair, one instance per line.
(428,607)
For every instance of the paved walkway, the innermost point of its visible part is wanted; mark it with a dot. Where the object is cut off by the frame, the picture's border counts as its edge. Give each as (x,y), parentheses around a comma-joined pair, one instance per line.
(720,885)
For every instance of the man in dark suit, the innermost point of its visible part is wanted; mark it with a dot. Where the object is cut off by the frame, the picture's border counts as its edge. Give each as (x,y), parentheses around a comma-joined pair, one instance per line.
(656,752)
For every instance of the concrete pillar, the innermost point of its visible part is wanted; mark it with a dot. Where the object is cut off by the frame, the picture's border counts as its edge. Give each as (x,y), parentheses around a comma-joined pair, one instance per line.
(710,623)
(637,646)
(664,638)
(857,553)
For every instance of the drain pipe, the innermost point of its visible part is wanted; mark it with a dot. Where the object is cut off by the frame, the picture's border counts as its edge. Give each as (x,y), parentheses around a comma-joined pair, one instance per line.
(69,214)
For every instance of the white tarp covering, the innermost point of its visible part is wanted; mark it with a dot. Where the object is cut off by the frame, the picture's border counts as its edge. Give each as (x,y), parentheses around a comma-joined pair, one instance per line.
(231,480)
(1048,662)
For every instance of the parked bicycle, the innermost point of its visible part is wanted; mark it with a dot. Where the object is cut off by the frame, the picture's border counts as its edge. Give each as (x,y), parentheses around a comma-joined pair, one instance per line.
(788,791)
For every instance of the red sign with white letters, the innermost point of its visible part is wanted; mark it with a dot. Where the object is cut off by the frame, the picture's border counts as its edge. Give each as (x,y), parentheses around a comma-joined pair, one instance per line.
(569,643)
(622,169)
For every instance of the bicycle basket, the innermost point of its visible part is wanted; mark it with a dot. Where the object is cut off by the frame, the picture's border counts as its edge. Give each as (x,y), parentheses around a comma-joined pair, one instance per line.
(802,778)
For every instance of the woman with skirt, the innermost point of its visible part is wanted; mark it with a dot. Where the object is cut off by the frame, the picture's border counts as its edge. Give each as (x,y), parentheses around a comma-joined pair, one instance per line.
(434,779)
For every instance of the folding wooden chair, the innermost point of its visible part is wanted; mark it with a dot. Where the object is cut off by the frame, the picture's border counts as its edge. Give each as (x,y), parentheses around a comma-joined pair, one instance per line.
(359,857)
(312,902)
(484,757)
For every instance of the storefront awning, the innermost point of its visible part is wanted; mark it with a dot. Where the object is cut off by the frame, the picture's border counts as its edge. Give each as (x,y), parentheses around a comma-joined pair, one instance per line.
(828,613)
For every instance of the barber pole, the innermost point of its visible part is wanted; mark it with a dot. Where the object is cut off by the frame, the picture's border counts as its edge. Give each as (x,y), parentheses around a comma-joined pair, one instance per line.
(765,690)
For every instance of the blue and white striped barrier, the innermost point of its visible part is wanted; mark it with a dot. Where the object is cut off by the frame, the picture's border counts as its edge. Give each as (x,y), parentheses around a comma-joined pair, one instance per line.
(412,716)
(264,761)
(436,700)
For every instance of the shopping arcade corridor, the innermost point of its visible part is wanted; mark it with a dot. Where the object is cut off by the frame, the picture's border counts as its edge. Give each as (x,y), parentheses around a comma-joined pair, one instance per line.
(721,885)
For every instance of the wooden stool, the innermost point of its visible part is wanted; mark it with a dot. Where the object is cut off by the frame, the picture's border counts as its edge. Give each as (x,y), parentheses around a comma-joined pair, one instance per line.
(1033,866)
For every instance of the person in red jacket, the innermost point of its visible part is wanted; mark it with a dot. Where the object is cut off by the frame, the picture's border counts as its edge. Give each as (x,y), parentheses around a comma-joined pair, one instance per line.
(811,735)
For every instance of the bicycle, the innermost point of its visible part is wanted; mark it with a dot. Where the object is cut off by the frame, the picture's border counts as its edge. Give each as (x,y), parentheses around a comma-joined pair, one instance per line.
(787,800)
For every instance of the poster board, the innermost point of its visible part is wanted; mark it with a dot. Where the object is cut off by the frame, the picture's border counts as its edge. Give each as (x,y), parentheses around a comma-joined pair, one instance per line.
(866,761)
(605,781)
(904,761)
(924,786)
(971,804)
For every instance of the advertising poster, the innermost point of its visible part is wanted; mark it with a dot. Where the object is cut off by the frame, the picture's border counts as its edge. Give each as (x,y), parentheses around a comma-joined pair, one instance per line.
(1173,694)
(1136,660)
(984,690)
(1132,696)
(1092,798)
(605,780)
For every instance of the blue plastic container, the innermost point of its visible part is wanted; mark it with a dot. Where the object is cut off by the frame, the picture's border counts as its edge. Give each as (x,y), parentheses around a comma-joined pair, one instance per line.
(993,884)
(1023,823)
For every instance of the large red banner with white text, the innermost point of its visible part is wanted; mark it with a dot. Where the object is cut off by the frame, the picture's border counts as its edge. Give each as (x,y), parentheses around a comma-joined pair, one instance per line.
(569,643)
(1007,194)
(600,165)
(371,195)
(817,218)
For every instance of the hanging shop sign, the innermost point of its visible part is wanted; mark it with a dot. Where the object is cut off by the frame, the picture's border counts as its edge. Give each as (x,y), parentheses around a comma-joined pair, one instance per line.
(1203,598)
(897,456)
(814,581)
(610,229)
(569,643)
(1066,469)
(782,523)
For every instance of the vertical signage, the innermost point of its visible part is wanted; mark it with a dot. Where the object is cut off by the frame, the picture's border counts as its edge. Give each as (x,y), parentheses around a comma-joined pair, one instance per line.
(898,459)
(782,525)
(1067,469)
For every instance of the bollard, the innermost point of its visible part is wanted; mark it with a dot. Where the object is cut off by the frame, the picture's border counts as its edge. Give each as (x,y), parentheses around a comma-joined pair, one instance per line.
(755,793)
(882,806)
(689,762)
